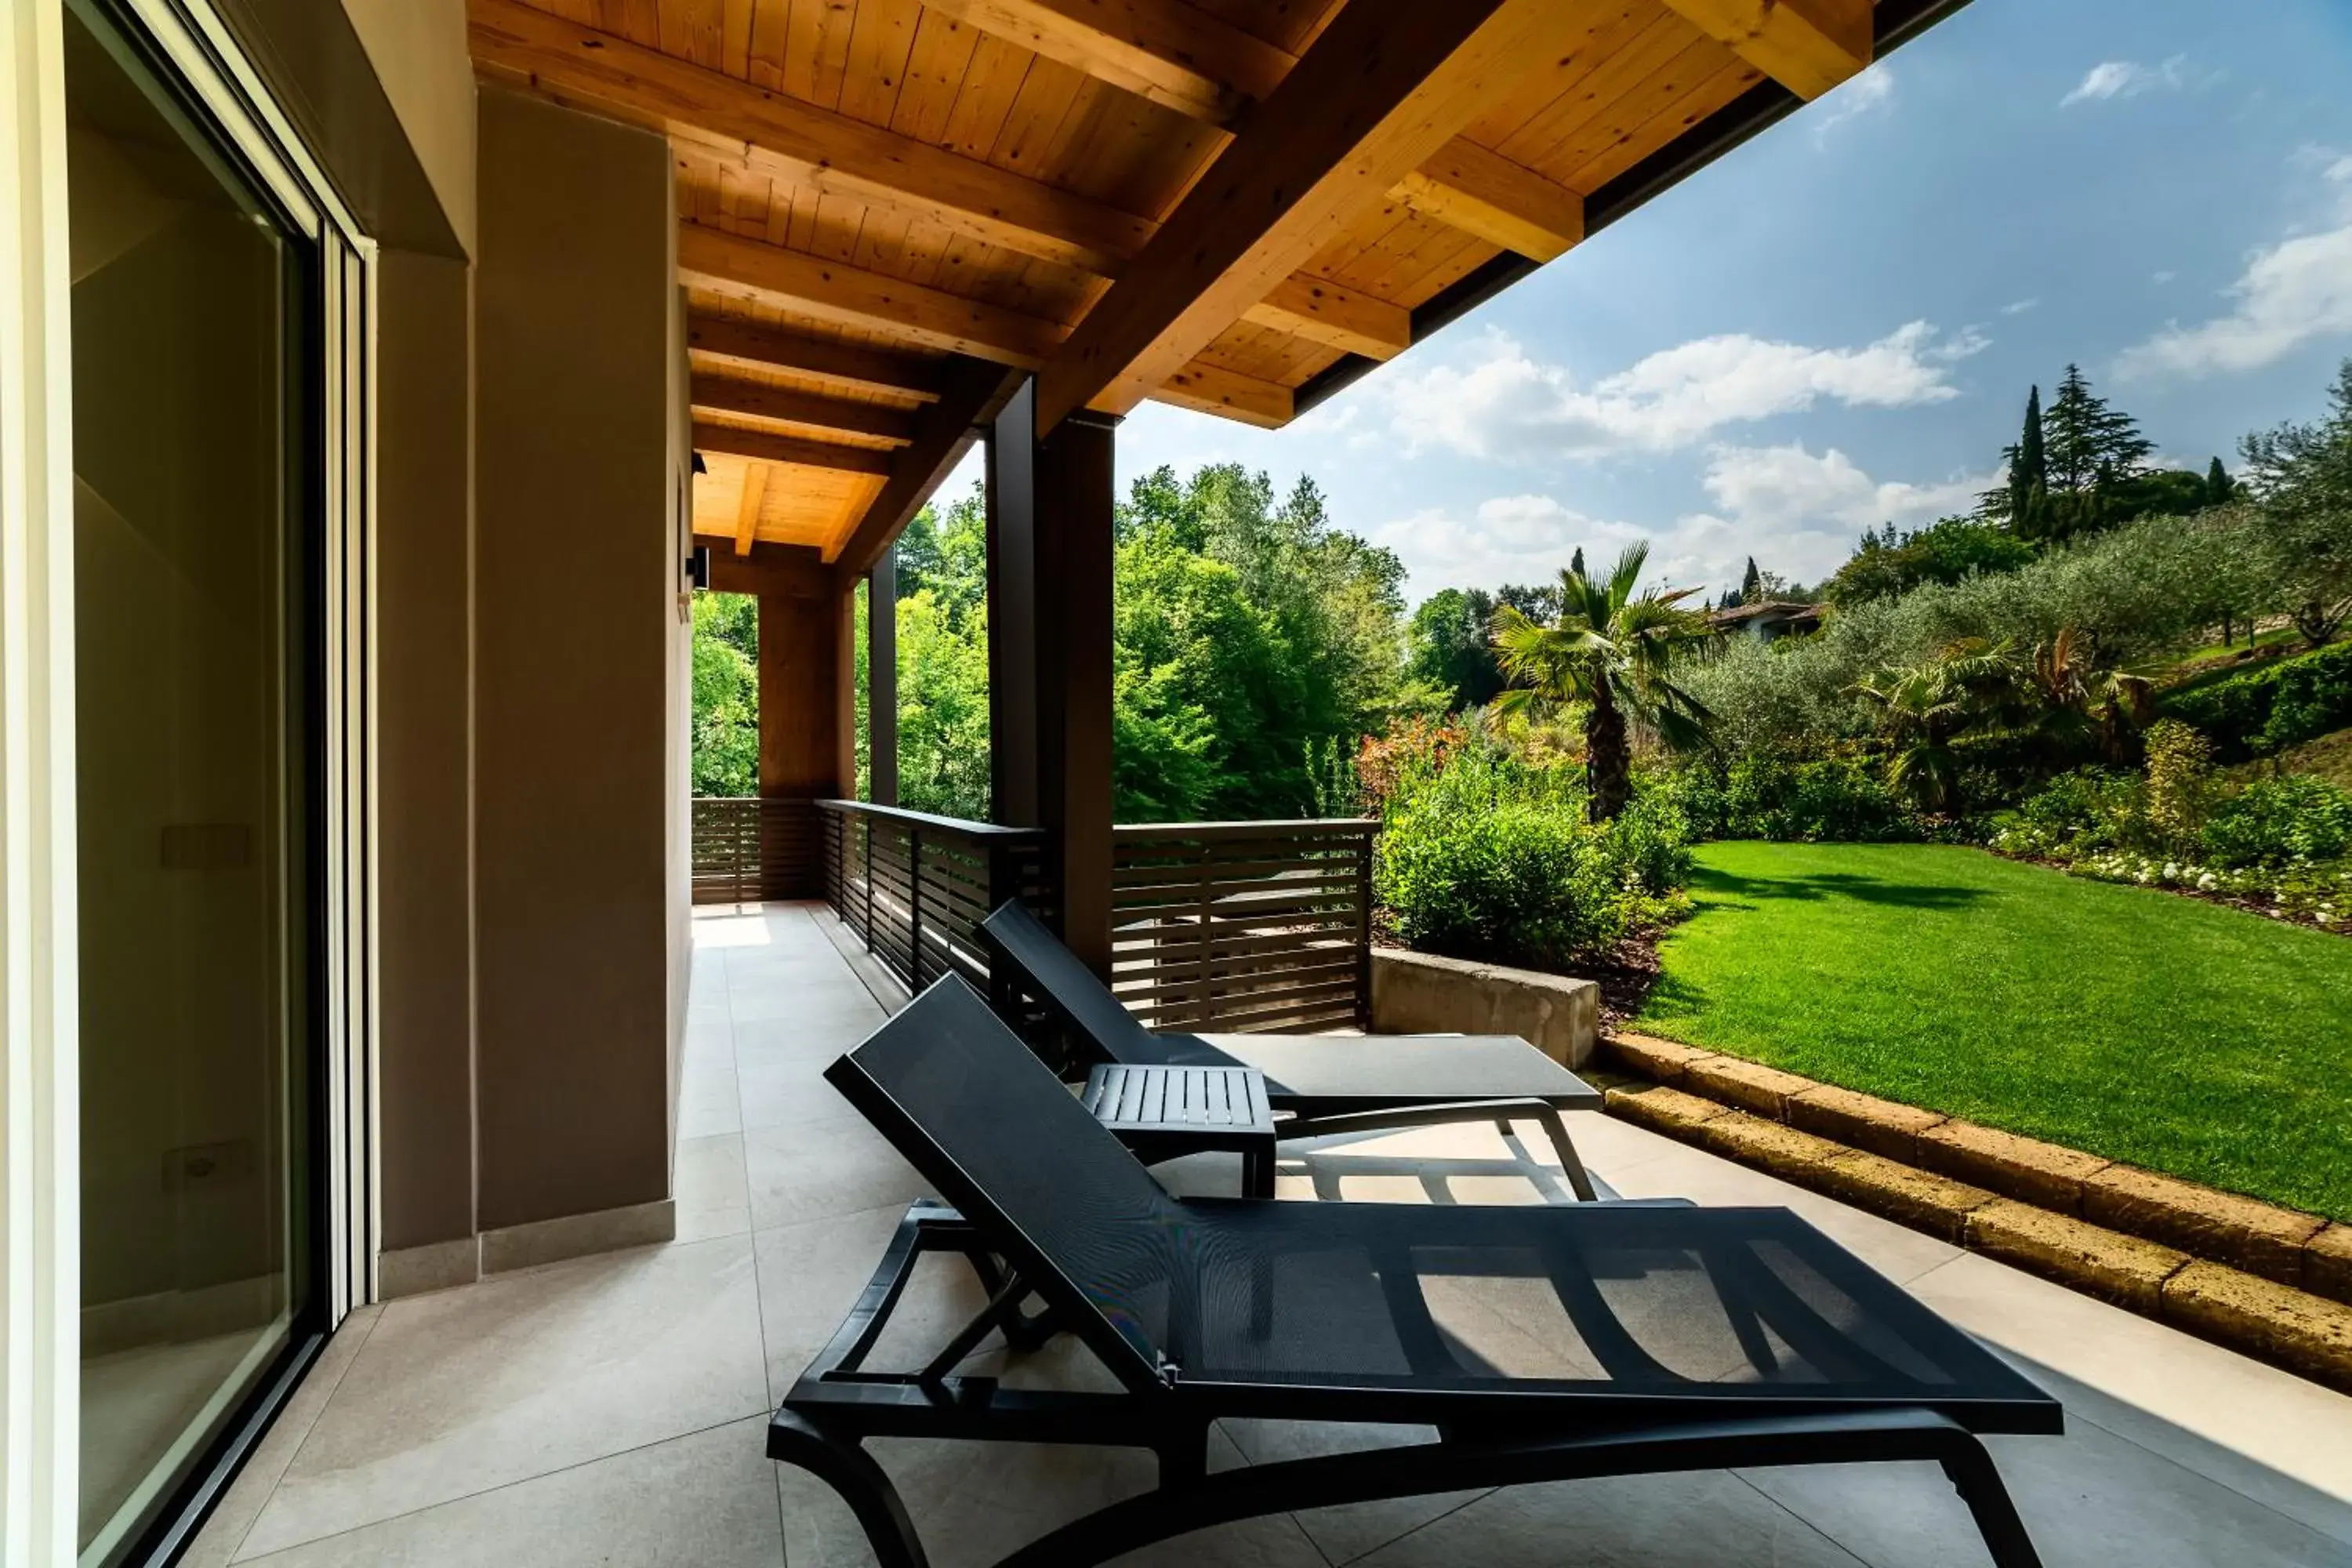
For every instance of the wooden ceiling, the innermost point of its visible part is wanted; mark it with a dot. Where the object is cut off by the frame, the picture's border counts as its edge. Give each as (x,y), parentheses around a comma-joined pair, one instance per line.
(888,209)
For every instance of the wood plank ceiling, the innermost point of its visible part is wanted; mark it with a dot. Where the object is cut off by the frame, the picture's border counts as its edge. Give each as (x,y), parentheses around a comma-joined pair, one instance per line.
(887,207)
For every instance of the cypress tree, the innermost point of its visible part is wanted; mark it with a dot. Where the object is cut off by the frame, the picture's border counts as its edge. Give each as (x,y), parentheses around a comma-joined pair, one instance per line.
(2028,469)
(1752,587)
(1576,562)
(2219,486)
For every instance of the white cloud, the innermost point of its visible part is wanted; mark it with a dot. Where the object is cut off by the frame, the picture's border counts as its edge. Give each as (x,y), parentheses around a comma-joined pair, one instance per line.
(2295,291)
(1796,511)
(2125,79)
(2019,307)
(1868,93)
(1505,402)
(1508,538)
(2167,276)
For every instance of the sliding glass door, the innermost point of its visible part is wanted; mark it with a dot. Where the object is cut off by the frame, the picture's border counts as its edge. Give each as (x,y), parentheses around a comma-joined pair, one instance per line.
(199,544)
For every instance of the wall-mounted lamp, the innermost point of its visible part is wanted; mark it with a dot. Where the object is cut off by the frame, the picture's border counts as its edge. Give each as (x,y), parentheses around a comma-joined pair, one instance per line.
(698,566)
(699,466)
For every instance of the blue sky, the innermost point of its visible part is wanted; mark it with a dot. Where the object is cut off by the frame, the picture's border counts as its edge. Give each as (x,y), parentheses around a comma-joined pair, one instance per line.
(1836,324)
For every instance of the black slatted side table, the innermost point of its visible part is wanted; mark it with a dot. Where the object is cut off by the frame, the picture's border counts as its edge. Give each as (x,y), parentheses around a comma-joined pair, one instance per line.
(1160,1113)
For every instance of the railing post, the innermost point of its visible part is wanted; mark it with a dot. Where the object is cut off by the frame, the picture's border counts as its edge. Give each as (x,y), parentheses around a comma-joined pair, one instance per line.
(915,908)
(867,824)
(1364,930)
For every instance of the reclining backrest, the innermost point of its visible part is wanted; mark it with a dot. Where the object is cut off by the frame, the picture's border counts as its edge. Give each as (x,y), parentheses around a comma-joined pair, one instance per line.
(997,1135)
(1071,992)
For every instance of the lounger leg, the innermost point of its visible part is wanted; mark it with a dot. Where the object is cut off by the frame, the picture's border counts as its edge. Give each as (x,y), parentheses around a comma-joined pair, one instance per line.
(1578,1181)
(852,1473)
(1974,1476)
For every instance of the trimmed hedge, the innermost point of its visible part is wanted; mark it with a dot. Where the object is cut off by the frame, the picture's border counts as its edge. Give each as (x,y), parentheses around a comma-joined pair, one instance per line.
(2269,709)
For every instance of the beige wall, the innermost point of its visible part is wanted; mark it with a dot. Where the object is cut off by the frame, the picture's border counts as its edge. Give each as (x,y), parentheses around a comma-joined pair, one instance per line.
(576,644)
(418,50)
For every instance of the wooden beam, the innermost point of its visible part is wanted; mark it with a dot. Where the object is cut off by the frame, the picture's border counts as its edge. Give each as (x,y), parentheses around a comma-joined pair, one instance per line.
(779,572)
(1324,313)
(1507,205)
(1383,89)
(763,448)
(971,392)
(1173,54)
(1206,389)
(775,348)
(728,264)
(799,142)
(1807,45)
(803,409)
(1179,56)
(747,511)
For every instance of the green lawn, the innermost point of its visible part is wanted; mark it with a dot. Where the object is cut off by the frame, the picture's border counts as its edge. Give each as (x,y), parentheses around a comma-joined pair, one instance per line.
(2135,1024)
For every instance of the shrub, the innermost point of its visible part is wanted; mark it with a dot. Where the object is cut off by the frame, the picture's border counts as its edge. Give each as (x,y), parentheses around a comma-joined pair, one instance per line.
(1484,856)
(2266,710)
(2273,822)
(1841,798)
(2179,780)
(2084,812)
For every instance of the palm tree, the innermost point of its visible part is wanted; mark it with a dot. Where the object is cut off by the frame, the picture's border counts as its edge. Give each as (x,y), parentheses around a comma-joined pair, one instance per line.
(1924,710)
(1616,652)
(2079,706)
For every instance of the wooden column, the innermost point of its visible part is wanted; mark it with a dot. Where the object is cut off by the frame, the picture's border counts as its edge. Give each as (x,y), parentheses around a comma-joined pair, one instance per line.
(882,679)
(1050,654)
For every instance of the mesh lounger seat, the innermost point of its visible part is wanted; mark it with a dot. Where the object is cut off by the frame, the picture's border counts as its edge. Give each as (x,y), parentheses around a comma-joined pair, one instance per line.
(1542,1343)
(1327,1083)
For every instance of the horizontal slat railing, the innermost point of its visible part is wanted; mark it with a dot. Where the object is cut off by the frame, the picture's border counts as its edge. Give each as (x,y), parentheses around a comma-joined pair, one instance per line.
(1231,926)
(745,849)
(1242,926)
(914,886)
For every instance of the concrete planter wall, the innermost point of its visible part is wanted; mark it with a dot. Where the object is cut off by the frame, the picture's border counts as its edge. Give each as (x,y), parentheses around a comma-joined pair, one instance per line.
(1421,994)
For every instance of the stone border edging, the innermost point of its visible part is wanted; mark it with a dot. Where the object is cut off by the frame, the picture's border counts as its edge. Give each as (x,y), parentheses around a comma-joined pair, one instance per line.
(2270,1282)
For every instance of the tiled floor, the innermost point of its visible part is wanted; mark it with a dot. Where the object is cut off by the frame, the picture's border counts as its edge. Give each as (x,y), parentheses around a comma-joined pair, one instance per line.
(609,1410)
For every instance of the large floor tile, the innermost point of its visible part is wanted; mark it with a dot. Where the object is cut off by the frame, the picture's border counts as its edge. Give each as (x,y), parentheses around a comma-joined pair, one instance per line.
(225,1531)
(2090,1500)
(708,1098)
(463,1391)
(783,1093)
(811,1038)
(1624,1522)
(971,1503)
(1346,1533)
(707,1500)
(810,1276)
(813,1169)
(2275,1437)
(712,1197)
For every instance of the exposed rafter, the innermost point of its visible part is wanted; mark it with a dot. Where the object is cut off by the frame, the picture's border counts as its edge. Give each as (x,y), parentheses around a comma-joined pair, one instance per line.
(764,447)
(1807,45)
(1175,55)
(820,359)
(1383,89)
(1181,57)
(795,141)
(1207,389)
(729,264)
(971,392)
(1342,318)
(747,509)
(784,407)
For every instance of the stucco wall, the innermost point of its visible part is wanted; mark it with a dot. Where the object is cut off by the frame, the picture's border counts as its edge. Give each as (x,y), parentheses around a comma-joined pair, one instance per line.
(576,635)
(418,50)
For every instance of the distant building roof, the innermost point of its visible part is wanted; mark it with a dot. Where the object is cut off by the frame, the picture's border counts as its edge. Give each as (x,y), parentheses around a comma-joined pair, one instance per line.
(1781,609)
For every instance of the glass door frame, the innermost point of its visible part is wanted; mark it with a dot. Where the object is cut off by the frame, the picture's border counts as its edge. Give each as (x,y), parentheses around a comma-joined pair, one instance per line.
(187,44)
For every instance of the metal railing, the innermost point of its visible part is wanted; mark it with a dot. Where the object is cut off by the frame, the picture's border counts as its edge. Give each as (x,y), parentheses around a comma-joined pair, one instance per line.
(914,886)
(745,849)
(1232,926)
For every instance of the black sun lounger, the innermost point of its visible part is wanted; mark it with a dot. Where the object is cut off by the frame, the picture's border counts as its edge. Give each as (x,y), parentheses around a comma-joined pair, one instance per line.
(1543,1342)
(1327,1083)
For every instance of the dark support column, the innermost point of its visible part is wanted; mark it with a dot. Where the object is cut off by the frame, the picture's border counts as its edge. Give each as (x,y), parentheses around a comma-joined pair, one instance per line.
(1050,654)
(1011,494)
(882,679)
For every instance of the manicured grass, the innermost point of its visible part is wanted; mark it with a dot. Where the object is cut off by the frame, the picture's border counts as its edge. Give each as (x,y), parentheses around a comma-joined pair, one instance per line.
(2135,1024)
